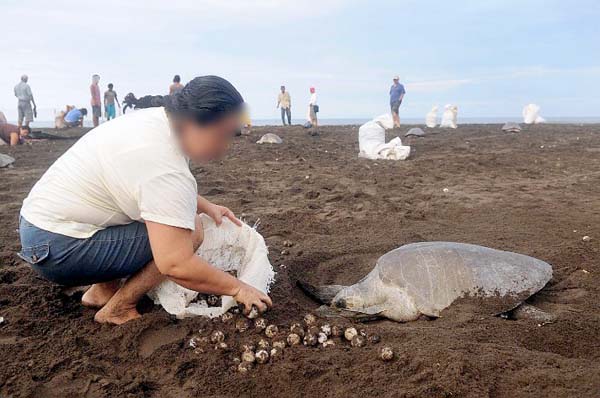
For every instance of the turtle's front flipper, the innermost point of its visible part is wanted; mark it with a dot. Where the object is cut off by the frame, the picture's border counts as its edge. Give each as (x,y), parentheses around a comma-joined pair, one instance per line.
(332,312)
(528,311)
(323,294)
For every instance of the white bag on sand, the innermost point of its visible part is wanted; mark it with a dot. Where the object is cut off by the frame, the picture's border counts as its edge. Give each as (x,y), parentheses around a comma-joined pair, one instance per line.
(227,248)
(371,140)
(431,117)
(531,114)
(449,117)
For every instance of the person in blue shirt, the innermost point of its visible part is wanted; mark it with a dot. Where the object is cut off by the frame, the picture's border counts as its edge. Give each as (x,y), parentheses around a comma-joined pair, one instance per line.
(396,95)
(74,117)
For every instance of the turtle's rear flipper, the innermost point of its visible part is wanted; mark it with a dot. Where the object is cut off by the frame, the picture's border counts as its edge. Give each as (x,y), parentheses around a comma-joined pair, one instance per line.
(528,311)
(323,294)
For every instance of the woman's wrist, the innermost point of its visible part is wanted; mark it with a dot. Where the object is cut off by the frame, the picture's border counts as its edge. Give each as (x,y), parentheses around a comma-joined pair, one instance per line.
(236,289)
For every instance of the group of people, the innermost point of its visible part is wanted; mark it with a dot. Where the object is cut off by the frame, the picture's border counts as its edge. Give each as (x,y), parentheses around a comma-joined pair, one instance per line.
(284,102)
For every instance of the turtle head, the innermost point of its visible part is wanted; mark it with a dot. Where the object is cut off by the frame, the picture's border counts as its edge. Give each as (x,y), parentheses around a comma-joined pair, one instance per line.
(349,298)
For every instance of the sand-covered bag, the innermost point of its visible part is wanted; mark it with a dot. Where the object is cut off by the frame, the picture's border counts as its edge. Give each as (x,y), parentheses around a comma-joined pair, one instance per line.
(228,248)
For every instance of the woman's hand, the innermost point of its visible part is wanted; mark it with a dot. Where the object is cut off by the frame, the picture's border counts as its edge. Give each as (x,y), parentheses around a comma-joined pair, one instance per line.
(249,296)
(217,213)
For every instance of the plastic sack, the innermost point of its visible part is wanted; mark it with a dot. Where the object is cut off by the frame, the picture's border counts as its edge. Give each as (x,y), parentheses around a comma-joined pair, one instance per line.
(431,117)
(228,248)
(449,117)
(371,140)
(531,114)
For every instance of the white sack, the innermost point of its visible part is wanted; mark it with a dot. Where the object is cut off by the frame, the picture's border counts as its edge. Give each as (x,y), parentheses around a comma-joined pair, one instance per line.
(531,114)
(371,140)
(228,248)
(431,117)
(449,117)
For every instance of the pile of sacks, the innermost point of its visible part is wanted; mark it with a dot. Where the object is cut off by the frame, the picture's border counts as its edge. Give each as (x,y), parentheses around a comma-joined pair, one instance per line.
(228,248)
(531,114)
(449,117)
(371,140)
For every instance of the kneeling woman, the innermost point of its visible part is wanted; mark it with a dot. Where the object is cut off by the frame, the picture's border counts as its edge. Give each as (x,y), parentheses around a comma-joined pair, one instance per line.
(122,203)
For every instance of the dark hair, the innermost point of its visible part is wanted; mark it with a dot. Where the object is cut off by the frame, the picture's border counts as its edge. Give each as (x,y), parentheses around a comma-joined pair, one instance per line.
(26,128)
(110,86)
(205,99)
(83,111)
(176,79)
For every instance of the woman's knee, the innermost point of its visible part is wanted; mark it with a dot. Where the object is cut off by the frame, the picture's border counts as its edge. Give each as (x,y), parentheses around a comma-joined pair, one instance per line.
(198,234)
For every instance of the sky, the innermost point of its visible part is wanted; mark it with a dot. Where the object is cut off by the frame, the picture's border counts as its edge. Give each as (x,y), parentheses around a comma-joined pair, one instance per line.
(489,57)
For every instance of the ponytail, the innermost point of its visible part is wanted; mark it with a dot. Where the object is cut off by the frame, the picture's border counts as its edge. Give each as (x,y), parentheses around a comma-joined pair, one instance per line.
(205,99)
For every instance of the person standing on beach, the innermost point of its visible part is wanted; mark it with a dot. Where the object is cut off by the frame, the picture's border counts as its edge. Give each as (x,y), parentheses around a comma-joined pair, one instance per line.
(96,102)
(176,86)
(313,108)
(25,99)
(110,97)
(396,95)
(285,102)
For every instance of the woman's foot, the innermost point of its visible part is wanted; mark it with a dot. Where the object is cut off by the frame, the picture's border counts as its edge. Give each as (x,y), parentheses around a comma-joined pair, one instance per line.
(99,294)
(116,315)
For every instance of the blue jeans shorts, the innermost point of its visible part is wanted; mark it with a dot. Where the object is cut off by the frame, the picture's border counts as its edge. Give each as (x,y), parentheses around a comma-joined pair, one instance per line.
(112,253)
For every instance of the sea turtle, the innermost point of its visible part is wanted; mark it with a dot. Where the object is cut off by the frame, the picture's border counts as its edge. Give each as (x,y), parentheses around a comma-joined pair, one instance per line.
(270,138)
(6,161)
(416,132)
(511,127)
(425,278)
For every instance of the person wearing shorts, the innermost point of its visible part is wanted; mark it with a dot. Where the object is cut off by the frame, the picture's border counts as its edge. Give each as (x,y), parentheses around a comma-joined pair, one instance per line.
(123,203)
(25,98)
(95,102)
(396,95)
(110,98)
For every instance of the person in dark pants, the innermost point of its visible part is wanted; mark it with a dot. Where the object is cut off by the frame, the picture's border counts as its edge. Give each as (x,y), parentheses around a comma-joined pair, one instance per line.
(396,95)
(285,103)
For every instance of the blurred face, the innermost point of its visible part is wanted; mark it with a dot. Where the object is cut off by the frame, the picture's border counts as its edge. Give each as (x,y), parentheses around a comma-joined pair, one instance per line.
(24,132)
(283,89)
(396,81)
(203,143)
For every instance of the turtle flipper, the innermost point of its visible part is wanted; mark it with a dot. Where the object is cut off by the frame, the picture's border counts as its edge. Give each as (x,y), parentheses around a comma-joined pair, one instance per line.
(370,314)
(323,294)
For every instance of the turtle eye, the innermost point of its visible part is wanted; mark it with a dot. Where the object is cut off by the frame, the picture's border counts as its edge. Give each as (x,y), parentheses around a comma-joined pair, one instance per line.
(340,303)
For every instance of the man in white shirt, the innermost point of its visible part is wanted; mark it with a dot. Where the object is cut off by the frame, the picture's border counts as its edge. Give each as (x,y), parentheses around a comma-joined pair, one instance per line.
(313,108)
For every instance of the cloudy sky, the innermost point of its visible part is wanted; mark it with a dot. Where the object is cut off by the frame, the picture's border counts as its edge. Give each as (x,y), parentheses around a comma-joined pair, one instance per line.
(489,57)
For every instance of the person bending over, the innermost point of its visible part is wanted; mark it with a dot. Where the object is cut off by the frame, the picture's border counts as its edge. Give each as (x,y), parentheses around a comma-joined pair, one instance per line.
(74,118)
(13,135)
(122,203)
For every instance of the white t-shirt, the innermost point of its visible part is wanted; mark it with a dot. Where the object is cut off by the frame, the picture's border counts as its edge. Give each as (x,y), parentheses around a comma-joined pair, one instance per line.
(129,169)
(313,99)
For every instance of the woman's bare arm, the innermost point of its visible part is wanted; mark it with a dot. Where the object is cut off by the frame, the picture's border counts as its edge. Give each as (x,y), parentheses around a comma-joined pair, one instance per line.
(173,252)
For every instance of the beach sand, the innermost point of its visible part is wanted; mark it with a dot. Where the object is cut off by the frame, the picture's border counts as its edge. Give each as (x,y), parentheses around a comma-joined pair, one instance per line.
(527,193)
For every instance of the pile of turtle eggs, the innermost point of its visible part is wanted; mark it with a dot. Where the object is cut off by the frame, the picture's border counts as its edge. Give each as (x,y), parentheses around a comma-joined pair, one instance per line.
(271,347)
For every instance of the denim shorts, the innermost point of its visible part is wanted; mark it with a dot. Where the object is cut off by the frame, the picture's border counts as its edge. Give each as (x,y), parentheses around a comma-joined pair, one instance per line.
(395,106)
(112,253)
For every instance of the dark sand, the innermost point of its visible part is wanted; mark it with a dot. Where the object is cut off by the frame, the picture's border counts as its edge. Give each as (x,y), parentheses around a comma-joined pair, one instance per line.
(525,193)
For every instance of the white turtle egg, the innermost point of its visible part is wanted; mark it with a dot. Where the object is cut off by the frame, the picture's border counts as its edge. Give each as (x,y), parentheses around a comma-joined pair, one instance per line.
(217,336)
(293,339)
(386,353)
(248,356)
(262,356)
(310,319)
(349,333)
(326,329)
(322,338)
(260,323)
(271,331)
